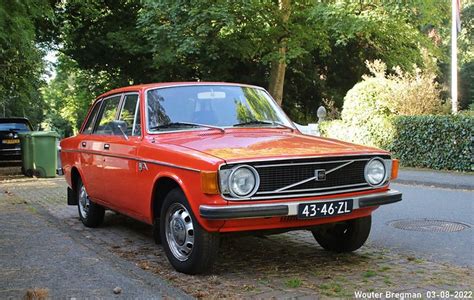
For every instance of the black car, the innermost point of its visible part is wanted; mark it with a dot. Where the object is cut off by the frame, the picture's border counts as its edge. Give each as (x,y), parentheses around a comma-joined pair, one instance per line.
(9,142)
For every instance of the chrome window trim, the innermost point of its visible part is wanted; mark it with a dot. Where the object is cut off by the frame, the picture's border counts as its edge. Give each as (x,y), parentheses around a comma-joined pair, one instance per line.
(137,109)
(94,120)
(145,91)
(100,110)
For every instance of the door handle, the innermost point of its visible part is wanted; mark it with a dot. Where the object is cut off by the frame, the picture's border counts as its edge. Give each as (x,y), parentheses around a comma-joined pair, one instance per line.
(106,146)
(83,144)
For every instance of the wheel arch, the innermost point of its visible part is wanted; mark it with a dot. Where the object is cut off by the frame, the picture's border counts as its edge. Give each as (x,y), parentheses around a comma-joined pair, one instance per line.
(163,184)
(75,175)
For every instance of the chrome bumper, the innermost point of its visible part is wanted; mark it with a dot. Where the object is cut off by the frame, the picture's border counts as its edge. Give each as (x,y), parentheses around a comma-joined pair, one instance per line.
(290,208)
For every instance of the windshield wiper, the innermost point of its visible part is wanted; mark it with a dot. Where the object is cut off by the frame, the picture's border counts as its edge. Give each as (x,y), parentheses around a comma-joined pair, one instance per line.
(257,122)
(181,124)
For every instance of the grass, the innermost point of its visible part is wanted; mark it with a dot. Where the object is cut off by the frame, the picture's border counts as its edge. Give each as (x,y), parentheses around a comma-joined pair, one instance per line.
(369,273)
(294,283)
(334,289)
(384,268)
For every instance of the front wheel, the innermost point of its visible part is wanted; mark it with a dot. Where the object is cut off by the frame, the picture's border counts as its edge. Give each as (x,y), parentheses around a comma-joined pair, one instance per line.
(189,248)
(344,236)
(90,213)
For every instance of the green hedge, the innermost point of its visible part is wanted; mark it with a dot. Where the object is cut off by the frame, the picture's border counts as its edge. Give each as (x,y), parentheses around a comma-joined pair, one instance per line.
(437,142)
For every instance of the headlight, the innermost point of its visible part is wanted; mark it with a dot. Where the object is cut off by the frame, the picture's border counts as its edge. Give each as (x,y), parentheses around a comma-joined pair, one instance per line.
(239,182)
(375,172)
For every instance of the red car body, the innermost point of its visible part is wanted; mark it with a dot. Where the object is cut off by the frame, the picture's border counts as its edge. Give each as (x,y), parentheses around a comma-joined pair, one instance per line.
(132,175)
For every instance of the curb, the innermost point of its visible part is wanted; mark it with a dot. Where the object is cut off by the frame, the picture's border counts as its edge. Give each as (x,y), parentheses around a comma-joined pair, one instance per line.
(435,184)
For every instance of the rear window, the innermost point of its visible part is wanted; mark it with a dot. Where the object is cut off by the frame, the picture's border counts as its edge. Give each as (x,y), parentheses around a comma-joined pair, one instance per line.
(14,127)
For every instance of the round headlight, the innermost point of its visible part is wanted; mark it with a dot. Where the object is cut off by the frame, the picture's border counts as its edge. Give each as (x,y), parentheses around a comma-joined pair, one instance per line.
(243,181)
(375,172)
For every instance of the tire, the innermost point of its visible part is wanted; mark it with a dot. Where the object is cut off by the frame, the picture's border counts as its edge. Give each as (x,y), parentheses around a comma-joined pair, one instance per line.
(90,213)
(345,236)
(156,231)
(189,248)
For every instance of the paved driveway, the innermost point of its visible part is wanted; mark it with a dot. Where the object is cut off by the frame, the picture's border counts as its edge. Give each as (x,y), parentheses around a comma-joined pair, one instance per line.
(282,266)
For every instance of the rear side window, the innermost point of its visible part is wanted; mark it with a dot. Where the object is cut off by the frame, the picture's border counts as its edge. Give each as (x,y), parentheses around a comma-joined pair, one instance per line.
(90,122)
(131,114)
(107,114)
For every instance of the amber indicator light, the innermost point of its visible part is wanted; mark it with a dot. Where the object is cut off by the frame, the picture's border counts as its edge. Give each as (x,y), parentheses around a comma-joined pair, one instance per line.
(209,182)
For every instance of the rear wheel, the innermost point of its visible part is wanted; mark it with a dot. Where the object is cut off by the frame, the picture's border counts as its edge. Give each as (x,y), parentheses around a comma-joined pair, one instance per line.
(344,236)
(189,248)
(90,213)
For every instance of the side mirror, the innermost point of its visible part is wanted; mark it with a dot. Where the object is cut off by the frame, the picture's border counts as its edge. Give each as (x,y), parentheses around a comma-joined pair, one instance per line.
(119,127)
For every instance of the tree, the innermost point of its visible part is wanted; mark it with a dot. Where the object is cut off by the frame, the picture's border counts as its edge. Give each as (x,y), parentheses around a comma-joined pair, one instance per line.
(278,65)
(21,64)
(69,95)
(315,50)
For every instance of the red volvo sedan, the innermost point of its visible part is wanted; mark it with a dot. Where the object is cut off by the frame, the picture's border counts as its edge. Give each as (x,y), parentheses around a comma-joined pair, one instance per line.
(199,160)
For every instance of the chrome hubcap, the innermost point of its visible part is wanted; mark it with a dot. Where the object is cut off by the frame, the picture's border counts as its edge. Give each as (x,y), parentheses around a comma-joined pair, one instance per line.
(84,202)
(179,231)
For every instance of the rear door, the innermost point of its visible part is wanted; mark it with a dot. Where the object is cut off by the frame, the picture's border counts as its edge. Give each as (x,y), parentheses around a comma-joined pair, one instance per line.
(90,164)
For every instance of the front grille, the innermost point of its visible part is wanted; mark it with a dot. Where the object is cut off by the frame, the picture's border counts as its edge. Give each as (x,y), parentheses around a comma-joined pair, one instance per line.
(291,178)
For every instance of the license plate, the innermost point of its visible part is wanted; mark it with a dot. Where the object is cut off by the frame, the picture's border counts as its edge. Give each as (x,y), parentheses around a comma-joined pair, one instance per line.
(14,141)
(324,209)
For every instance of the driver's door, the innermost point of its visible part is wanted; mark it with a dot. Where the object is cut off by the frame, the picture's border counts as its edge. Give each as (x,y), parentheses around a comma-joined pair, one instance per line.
(120,164)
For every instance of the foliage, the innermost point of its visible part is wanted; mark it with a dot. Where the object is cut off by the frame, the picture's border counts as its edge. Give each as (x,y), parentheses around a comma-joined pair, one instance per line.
(70,93)
(21,64)
(102,37)
(407,93)
(431,141)
(466,37)
(371,103)
(466,89)
(438,142)
(327,42)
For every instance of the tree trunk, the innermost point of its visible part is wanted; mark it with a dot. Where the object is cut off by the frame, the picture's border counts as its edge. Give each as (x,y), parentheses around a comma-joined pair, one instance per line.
(278,67)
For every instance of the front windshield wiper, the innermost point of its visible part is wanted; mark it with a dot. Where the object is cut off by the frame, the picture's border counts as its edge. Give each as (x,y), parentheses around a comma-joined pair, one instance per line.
(257,122)
(181,124)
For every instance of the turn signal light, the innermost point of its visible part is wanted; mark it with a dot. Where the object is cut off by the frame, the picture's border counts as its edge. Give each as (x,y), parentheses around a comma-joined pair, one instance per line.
(209,182)
(395,164)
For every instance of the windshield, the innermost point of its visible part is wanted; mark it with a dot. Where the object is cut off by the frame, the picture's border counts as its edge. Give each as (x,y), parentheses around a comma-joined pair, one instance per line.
(178,108)
(14,127)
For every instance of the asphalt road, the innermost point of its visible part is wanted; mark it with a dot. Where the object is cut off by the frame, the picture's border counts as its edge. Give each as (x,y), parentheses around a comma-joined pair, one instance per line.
(422,202)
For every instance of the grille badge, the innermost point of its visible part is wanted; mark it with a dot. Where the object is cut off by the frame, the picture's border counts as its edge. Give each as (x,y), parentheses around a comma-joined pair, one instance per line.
(320,175)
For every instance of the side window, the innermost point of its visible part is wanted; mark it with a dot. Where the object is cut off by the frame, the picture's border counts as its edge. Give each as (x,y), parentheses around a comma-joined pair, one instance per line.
(107,115)
(90,122)
(131,114)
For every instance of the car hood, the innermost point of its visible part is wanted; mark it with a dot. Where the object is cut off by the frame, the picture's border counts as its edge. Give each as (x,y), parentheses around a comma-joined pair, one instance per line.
(259,144)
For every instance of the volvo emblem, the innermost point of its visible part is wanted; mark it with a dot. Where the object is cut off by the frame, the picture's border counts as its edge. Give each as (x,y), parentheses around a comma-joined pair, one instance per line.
(320,175)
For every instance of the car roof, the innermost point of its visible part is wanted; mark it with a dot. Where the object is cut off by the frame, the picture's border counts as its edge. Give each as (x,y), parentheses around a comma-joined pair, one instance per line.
(141,87)
(14,120)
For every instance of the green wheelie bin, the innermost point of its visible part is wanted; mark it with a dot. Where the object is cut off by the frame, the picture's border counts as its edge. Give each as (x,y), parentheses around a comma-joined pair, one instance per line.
(39,153)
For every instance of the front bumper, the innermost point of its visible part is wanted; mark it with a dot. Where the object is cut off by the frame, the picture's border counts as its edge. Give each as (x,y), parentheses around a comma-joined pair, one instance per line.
(10,153)
(290,208)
